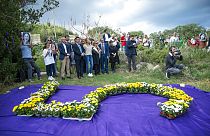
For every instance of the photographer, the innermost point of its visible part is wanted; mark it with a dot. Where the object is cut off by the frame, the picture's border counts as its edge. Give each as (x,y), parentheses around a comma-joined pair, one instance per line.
(130,52)
(171,67)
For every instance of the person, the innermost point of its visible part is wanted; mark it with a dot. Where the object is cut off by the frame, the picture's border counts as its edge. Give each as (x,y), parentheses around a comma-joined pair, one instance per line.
(203,40)
(131,53)
(146,42)
(54,49)
(117,44)
(26,38)
(88,57)
(48,60)
(64,58)
(79,53)
(113,49)
(123,42)
(162,40)
(26,50)
(104,47)
(96,58)
(174,40)
(171,67)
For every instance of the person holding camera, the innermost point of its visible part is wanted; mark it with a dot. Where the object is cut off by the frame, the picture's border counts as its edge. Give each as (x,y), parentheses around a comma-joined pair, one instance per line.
(171,67)
(130,52)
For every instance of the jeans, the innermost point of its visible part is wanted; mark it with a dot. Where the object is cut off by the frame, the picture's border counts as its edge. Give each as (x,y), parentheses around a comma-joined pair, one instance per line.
(104,63)
(89,60)
(30,65)
(175,70)
(49,69)
(132,59)
(54,65)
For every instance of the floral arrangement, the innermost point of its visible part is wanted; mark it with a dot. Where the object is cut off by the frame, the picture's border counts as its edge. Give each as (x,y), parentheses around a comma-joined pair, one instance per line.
(35,105)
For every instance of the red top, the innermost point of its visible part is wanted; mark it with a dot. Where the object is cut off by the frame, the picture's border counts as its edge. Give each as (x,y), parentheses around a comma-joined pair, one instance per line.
(123,41)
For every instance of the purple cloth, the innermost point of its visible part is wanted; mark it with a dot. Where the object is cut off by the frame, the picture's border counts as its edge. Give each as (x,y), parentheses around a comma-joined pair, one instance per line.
(122,115)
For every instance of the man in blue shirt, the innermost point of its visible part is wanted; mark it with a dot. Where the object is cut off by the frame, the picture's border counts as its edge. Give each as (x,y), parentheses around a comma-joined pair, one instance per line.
(28,60)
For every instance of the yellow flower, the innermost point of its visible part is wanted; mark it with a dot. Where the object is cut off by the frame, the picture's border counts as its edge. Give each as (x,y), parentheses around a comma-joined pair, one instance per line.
(15,108)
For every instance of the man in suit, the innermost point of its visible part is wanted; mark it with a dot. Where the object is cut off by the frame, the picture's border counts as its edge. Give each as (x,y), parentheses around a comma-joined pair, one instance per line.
(79,53)
(104,56)
(64,50)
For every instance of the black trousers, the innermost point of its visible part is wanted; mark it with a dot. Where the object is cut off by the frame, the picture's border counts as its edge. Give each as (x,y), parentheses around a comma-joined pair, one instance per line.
(96,68)
(79,67)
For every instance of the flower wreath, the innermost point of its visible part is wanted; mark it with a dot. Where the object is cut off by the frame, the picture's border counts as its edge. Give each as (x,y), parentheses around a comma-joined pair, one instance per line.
(35,105)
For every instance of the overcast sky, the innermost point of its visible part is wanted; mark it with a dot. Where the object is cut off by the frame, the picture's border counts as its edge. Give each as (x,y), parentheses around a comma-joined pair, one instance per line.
(132,15)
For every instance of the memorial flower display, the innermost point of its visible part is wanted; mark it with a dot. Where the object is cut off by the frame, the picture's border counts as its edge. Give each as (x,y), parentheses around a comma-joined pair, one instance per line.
(35,105)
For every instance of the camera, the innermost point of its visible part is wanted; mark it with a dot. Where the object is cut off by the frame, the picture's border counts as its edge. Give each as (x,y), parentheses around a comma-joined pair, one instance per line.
(177,54)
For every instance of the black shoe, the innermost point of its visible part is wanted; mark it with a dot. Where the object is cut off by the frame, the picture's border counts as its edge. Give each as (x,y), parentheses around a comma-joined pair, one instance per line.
(107,72)
(63,78)
(69,77)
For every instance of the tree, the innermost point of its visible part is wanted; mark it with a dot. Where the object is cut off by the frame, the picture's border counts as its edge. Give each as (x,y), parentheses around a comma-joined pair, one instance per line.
(137,33)
(32,15)
(15,14)
(97,32)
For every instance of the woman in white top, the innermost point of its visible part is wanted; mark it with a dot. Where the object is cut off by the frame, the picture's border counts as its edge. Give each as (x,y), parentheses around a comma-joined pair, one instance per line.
(88,56)
(48,60)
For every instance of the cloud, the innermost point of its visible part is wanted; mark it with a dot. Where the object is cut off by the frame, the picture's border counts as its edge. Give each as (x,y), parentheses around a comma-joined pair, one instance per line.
(129,15)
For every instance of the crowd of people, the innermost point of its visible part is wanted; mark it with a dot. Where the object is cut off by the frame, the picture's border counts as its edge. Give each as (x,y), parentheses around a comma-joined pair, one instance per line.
(92,57)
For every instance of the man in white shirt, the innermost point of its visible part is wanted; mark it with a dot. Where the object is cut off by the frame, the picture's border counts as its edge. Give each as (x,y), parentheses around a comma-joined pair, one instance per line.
(64,58)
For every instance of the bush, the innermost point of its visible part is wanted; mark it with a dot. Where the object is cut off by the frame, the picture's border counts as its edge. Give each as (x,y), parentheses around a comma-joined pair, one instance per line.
(8,71)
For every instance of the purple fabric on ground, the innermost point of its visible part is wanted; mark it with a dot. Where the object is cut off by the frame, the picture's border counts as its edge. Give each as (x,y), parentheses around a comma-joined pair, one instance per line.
(122,115)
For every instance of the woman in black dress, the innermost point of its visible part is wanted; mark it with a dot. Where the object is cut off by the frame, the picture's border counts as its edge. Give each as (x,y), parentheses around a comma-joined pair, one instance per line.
(113,55)
(96,57)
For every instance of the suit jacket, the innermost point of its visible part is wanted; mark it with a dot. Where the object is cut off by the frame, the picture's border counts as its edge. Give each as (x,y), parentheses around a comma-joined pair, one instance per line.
(77,53)
(62,50)
(106,48)
(130,49)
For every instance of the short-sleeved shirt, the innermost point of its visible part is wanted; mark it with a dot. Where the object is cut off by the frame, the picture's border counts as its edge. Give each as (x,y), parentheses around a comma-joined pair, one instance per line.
(26,52)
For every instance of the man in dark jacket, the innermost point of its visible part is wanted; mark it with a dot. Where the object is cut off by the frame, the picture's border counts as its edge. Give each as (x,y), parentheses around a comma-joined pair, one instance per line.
(130,52)
(64,50)
(171,67)
(79,53)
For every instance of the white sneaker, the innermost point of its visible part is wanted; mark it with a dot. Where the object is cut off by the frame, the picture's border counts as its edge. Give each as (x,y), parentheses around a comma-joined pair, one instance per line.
(91,75)
(49,78)
(52,78)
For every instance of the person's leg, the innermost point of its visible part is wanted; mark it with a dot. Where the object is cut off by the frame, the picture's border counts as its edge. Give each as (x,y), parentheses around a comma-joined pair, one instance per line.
(63,63)
(106,65)
(48,70)
(68,67)
(29,68)
(102,63)
(33,64)
(51,69)
(91,64)
(78,68)
(173,71)
(134,62)
(81,67)
(87,63)
(179,66)
(129,63)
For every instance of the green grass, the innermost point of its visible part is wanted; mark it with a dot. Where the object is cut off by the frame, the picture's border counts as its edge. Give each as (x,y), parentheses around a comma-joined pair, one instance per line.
(196,74)
(121,76)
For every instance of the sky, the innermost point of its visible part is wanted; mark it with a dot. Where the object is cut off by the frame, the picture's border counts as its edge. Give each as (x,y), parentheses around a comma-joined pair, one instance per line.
(130,15)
